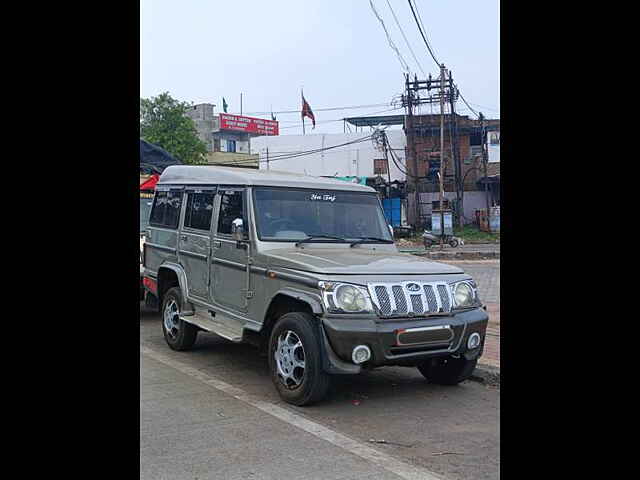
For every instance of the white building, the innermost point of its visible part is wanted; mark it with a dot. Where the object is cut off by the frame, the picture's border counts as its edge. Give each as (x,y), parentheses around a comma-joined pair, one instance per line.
(360,159)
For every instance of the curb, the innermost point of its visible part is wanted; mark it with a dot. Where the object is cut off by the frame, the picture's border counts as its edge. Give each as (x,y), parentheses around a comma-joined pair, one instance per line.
(459,255)
(487,375)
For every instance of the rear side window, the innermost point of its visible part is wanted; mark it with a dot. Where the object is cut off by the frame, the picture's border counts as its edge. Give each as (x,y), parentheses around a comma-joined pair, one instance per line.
(230,208)
(166,209)
(199,210)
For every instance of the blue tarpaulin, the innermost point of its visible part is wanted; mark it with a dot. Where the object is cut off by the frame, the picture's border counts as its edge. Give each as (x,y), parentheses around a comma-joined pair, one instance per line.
(392,211)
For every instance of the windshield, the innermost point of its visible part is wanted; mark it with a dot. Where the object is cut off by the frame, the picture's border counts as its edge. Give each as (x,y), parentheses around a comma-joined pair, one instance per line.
(292,215)
(145,209)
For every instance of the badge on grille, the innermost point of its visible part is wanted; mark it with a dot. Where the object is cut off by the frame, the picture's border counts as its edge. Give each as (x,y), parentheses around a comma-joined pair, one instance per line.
(413,287)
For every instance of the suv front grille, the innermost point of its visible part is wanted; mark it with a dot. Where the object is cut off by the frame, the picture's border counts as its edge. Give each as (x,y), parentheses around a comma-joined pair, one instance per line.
(423,298)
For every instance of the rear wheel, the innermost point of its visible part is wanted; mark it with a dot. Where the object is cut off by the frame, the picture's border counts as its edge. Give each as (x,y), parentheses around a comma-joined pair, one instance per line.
(453,243)
(427,243)
(178,334)
(295,361)
(447,370)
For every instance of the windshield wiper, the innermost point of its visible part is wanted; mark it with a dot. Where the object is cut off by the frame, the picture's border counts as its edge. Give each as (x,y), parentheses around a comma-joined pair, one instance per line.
(311,237)
(370,239)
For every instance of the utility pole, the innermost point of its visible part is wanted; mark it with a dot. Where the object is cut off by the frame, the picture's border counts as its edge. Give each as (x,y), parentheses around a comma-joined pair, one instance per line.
(455,152)
(442,75)
(412,98)
(385,145)
(484,161)
(413,168)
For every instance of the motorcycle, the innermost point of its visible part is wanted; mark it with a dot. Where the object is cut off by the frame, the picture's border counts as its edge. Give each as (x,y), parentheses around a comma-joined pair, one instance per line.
(430,239)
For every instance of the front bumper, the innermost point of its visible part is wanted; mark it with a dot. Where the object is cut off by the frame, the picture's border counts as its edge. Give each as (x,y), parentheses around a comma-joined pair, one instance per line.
(406,341)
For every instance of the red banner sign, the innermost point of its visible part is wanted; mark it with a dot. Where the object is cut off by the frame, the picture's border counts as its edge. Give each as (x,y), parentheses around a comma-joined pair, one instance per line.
(259,126)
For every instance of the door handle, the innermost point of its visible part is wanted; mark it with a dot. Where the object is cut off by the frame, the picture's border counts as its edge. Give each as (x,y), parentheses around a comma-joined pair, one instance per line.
(217,244)
(183,238)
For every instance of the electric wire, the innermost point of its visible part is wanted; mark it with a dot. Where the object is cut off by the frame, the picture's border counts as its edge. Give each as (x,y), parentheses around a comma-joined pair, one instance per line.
(405,67)
(465,102)
(421,33)
(424,29)
(327,109)
(405,38)
(287,156)
(299,124)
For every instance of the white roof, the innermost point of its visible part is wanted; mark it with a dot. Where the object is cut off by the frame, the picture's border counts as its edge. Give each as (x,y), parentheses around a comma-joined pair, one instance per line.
(214,175)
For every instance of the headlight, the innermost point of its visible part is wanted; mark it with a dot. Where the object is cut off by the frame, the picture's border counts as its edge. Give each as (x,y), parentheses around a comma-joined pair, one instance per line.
(345,298)
(464,294)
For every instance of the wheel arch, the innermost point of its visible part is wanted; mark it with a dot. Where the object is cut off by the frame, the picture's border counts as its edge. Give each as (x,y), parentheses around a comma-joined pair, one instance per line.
(284,301)
(172,275)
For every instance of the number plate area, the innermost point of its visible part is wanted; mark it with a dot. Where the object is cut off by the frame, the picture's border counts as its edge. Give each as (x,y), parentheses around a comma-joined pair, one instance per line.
(435,335)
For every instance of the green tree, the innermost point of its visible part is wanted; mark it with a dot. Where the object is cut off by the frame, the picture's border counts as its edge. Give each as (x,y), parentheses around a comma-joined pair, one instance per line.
(163,122)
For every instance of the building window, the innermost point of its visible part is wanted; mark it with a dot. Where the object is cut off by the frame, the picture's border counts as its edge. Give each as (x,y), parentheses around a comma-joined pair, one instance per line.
(231,146)
(380,166)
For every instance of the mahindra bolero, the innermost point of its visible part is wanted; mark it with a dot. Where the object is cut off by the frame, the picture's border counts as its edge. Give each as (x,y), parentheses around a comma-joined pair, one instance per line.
(306,269)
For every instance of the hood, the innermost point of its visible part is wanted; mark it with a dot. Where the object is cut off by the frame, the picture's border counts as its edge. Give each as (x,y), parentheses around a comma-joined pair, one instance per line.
(356,261)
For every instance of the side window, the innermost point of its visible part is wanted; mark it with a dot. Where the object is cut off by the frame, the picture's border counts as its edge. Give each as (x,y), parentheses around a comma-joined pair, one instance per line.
(231,207)
(157,211)
(166,209)
(199,210)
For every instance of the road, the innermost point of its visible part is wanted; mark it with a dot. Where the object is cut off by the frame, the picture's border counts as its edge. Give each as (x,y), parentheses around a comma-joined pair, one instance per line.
(213,413)
(486,273)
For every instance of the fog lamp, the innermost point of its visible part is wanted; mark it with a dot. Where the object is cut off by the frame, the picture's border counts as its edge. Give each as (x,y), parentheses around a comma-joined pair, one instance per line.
(474,341)
(361,354)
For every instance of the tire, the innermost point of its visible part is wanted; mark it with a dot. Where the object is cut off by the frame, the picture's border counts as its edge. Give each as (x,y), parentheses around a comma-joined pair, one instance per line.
(448,370)
(297,335)
(178,334)
(453,243)
(427,243)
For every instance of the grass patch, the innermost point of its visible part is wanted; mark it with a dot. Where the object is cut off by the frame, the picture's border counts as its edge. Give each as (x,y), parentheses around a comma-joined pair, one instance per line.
(471,234)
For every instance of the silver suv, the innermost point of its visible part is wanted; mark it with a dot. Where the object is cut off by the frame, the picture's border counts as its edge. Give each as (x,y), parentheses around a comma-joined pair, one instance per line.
(306,269)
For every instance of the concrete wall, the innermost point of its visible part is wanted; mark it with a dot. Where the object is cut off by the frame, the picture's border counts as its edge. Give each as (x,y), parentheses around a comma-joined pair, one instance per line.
(232,159)
(472,202)
(349,160)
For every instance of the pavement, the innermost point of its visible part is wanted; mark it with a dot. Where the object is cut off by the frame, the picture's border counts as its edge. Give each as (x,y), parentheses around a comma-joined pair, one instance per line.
(213,413)
(486,273)
(474,251)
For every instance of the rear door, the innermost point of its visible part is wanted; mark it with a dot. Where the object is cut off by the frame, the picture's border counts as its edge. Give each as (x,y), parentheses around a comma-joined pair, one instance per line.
(195,239)
(162,242)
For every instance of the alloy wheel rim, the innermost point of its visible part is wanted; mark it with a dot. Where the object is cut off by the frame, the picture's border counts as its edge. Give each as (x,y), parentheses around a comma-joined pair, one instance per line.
(290,359)
(171,318)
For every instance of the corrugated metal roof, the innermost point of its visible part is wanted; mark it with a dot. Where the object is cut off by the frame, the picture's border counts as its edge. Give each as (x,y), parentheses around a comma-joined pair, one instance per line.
(210,175)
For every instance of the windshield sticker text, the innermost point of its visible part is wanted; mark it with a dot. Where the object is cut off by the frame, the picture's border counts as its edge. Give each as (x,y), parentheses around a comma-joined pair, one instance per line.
(323,198)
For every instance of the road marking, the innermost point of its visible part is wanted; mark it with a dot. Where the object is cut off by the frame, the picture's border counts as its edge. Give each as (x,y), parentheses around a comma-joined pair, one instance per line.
(400,468)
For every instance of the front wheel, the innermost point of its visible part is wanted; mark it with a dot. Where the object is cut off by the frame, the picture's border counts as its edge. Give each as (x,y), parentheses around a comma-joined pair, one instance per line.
(295,361)
(447,370)
(453,243)
(427,243)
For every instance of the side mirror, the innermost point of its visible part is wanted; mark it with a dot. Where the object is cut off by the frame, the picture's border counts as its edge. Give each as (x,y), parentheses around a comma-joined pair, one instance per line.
(237,230)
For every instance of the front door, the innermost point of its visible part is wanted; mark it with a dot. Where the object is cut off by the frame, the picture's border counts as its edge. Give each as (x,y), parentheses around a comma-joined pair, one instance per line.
(194,242)
(229,283)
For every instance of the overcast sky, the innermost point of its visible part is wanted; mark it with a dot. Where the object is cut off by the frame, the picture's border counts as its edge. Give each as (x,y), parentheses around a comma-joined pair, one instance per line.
(337,50)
